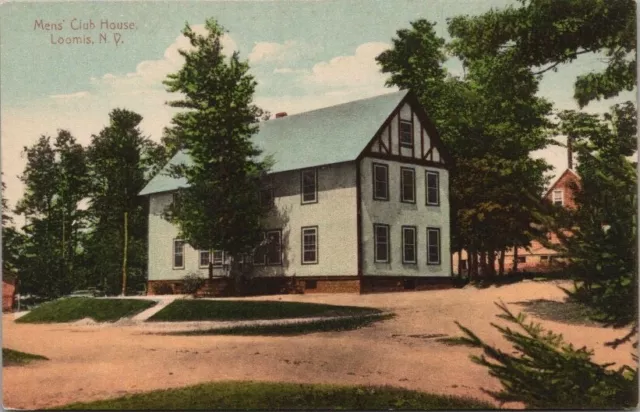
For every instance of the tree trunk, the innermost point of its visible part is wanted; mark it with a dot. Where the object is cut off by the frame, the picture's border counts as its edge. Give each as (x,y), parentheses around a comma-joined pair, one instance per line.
(501,262)
(473,263)
(210,268)
(491,262)
(460,262)
(124,253)
(483,263)
(515,258)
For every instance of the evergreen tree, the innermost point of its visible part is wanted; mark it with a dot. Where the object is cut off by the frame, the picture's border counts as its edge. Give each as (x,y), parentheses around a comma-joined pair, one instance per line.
(220,209)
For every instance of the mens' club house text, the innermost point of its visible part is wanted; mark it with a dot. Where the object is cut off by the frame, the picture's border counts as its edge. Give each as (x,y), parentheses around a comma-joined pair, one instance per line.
(90,31)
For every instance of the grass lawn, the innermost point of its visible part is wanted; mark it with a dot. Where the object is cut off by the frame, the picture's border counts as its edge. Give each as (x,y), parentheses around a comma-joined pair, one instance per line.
(12,357)
(273,396)
(196,310)
(289,329)
(72,309)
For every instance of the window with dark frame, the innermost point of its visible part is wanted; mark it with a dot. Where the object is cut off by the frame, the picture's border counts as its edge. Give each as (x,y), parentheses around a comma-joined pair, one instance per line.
(178,254)
(433,246)
(406,133)
(309,245)
(407,185)
(260,253)
(381,243)
(409,244)
(380,182)
(433,188)
(266,198)
(558,197)
(274,247)
(204,258)
(309,182)
(522,259)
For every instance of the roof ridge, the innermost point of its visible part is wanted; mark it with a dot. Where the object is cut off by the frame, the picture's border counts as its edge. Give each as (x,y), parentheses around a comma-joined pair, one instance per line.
(336,105)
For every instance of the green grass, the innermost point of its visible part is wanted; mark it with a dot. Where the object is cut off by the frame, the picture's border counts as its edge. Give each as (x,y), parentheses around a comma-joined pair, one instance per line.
(197,310)
(290,329)
(12,357)
(72,309)
(274,396)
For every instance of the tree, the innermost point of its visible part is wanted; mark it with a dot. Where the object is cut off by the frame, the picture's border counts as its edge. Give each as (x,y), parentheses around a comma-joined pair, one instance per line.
(543,34)
(603,244)
(219,209)
(490,120)
(12,242)
(55,182)
(120,158)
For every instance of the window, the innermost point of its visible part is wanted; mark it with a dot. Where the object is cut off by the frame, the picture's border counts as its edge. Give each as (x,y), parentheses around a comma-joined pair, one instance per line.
(463,264)
(406,133)
(544,259)
(380,182)
(558,198)
(433,188)
(433,246)
(309,182)
(274,247)
(309,245)
(381,241)
(522,259)
(204,258)
(266,198)
(178,254)
(217,258)
(408,244)
(260,253)
(407,185)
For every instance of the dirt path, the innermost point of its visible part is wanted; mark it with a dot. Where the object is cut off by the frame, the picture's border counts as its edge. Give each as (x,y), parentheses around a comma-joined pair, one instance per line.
(92,362)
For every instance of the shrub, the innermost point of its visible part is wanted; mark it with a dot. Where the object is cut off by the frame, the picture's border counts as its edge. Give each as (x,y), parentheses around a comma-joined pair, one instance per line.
(162,289)
(191,283)
(545,372)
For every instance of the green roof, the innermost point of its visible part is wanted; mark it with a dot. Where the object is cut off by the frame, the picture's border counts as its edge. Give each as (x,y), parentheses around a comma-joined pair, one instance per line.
(318,137)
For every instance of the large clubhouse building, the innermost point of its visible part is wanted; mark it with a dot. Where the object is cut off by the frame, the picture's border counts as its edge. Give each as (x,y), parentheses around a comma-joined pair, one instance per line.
(360,195)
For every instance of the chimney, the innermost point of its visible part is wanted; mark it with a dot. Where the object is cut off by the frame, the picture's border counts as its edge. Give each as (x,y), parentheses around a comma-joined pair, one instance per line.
(281,114)
(569,153)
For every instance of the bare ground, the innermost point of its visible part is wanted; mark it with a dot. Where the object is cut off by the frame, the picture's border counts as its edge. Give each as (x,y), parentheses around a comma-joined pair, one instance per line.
(90,362)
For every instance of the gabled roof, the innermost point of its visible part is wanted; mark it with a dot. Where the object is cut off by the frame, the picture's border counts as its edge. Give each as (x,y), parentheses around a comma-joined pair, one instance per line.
(330,135)
(558,179)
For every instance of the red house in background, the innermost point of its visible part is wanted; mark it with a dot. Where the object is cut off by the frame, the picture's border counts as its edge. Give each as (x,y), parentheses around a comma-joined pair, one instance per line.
(8,294)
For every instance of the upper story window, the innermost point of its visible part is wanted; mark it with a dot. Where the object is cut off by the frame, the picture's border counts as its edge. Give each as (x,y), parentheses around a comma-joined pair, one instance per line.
(409,244)
(381,243)
(380,182)
(558,197)
(406,133)
(309,245)
(433,188)
(266,198)
(433,246)
(309,183)
(407,185)
(178,254)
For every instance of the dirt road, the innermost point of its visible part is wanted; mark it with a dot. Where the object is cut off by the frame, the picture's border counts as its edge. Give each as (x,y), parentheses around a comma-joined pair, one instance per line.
(96,362)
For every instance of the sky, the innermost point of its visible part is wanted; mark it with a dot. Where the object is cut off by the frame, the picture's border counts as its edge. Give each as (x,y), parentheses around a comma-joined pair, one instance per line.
(304,55)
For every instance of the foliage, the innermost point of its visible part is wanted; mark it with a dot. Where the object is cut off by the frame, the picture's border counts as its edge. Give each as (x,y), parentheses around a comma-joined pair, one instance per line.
(543,34)
(198,310)
(603,243)
(55,181)
(119,160)
(490,121)
(12,357)
(12,242)
(191,283)
(277,396)
(219,209)
(98,309)
(546,372)
(162,289)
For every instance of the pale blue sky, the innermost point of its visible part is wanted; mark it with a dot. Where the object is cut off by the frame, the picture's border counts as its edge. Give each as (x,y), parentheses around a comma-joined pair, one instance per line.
(304,54)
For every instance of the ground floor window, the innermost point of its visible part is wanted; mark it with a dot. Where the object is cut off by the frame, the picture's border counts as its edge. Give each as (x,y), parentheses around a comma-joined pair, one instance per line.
(310,245)
(204,258)
(522,259)
(217,257)
(409,244)
(269,252)
(433,246)
(381,243)
(178,254)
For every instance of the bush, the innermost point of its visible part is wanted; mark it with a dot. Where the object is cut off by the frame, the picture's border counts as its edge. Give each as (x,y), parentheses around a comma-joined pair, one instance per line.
(545,372)
(162,289)
(191,283)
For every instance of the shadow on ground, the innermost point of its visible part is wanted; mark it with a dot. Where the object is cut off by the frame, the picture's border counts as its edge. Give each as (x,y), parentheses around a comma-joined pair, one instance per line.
(569,312)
